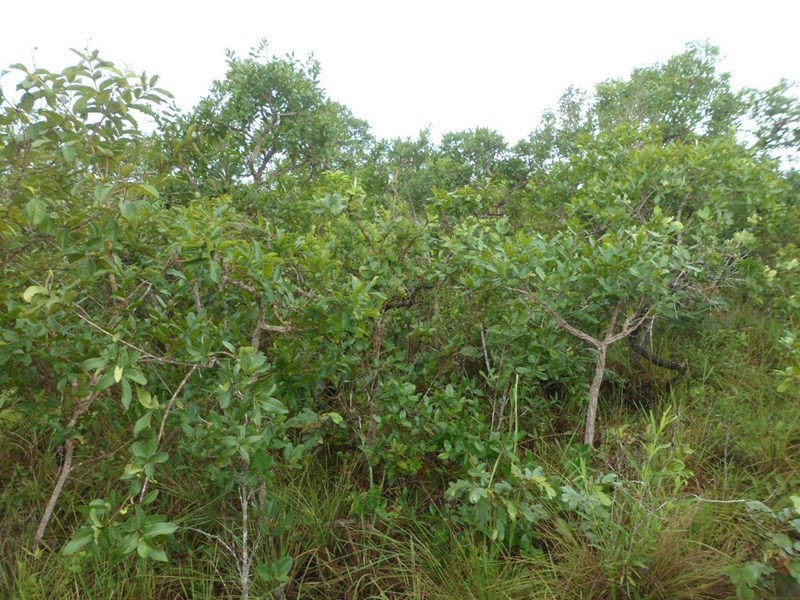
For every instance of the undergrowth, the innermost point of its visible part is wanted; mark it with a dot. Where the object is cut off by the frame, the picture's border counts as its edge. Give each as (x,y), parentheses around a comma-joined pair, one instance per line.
(662,510)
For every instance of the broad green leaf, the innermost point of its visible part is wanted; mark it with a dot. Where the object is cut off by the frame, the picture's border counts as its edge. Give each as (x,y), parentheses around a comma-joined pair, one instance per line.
(148,189)
(145,449)
(214,271)
(145,399)
(128,543)
(26,102)
(274,406)
(106,380)
(335,417)
(82,537)
(476,494)
(142,423)
(152,530)
(143,548)
(125,394)
(264,572)
(158,554)
(68,150)
(32,291)
(603,498)
(92,364)
(36,210)
(150,497)
(101,191)
(283,567)
(782,541)
(135,375)
(159,457)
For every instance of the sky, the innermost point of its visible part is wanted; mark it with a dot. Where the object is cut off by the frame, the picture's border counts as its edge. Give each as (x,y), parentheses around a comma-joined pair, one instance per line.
(404,66)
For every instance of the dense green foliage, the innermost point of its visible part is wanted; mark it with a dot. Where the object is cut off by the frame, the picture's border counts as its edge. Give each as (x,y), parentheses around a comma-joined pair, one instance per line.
(254,351)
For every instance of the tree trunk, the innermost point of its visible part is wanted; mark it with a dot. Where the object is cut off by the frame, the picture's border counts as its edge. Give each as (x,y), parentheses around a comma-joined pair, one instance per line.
(594,393)
(66,469)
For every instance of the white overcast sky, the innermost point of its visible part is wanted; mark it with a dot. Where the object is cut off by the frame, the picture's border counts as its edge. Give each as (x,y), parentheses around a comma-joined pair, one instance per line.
(405,65)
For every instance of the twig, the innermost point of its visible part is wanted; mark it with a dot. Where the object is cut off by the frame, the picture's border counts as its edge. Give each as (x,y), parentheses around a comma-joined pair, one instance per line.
(83,316)
(485,350)
(737,501)
(215,538)
(167,410)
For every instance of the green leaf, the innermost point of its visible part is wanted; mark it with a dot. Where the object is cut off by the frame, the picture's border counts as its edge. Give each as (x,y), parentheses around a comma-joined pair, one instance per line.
(139,449)
(33,291)
(335,417)
(129,211)
(752,572)
(148,189)
(142,423)
(92,364)
(274,406)
(36,210)
(158,554)
(26,102)
(603,498)
(282,567)
(68,150)
(476,494)
(101,191)
(144,549)
(152,530)
(106,380)
(128,544)
(214,271)
(145,399)
(136,376)
(757,505)
(782,541)
(150,497)
(159,457)
(83,536)
(145,449)
(125,395)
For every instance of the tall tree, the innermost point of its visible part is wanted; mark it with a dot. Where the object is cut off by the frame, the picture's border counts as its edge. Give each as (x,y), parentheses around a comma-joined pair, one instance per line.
(269,117)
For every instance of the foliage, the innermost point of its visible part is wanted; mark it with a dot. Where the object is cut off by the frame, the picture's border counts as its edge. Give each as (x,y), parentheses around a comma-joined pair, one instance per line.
(778,568)
(260,346)
(266,118)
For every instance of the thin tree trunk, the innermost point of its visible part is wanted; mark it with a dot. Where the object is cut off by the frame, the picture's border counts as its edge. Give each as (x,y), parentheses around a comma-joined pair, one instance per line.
(244,573)
(66,469)
(594,393)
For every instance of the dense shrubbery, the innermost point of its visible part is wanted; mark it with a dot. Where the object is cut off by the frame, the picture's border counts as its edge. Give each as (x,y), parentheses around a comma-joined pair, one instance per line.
(279,356)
